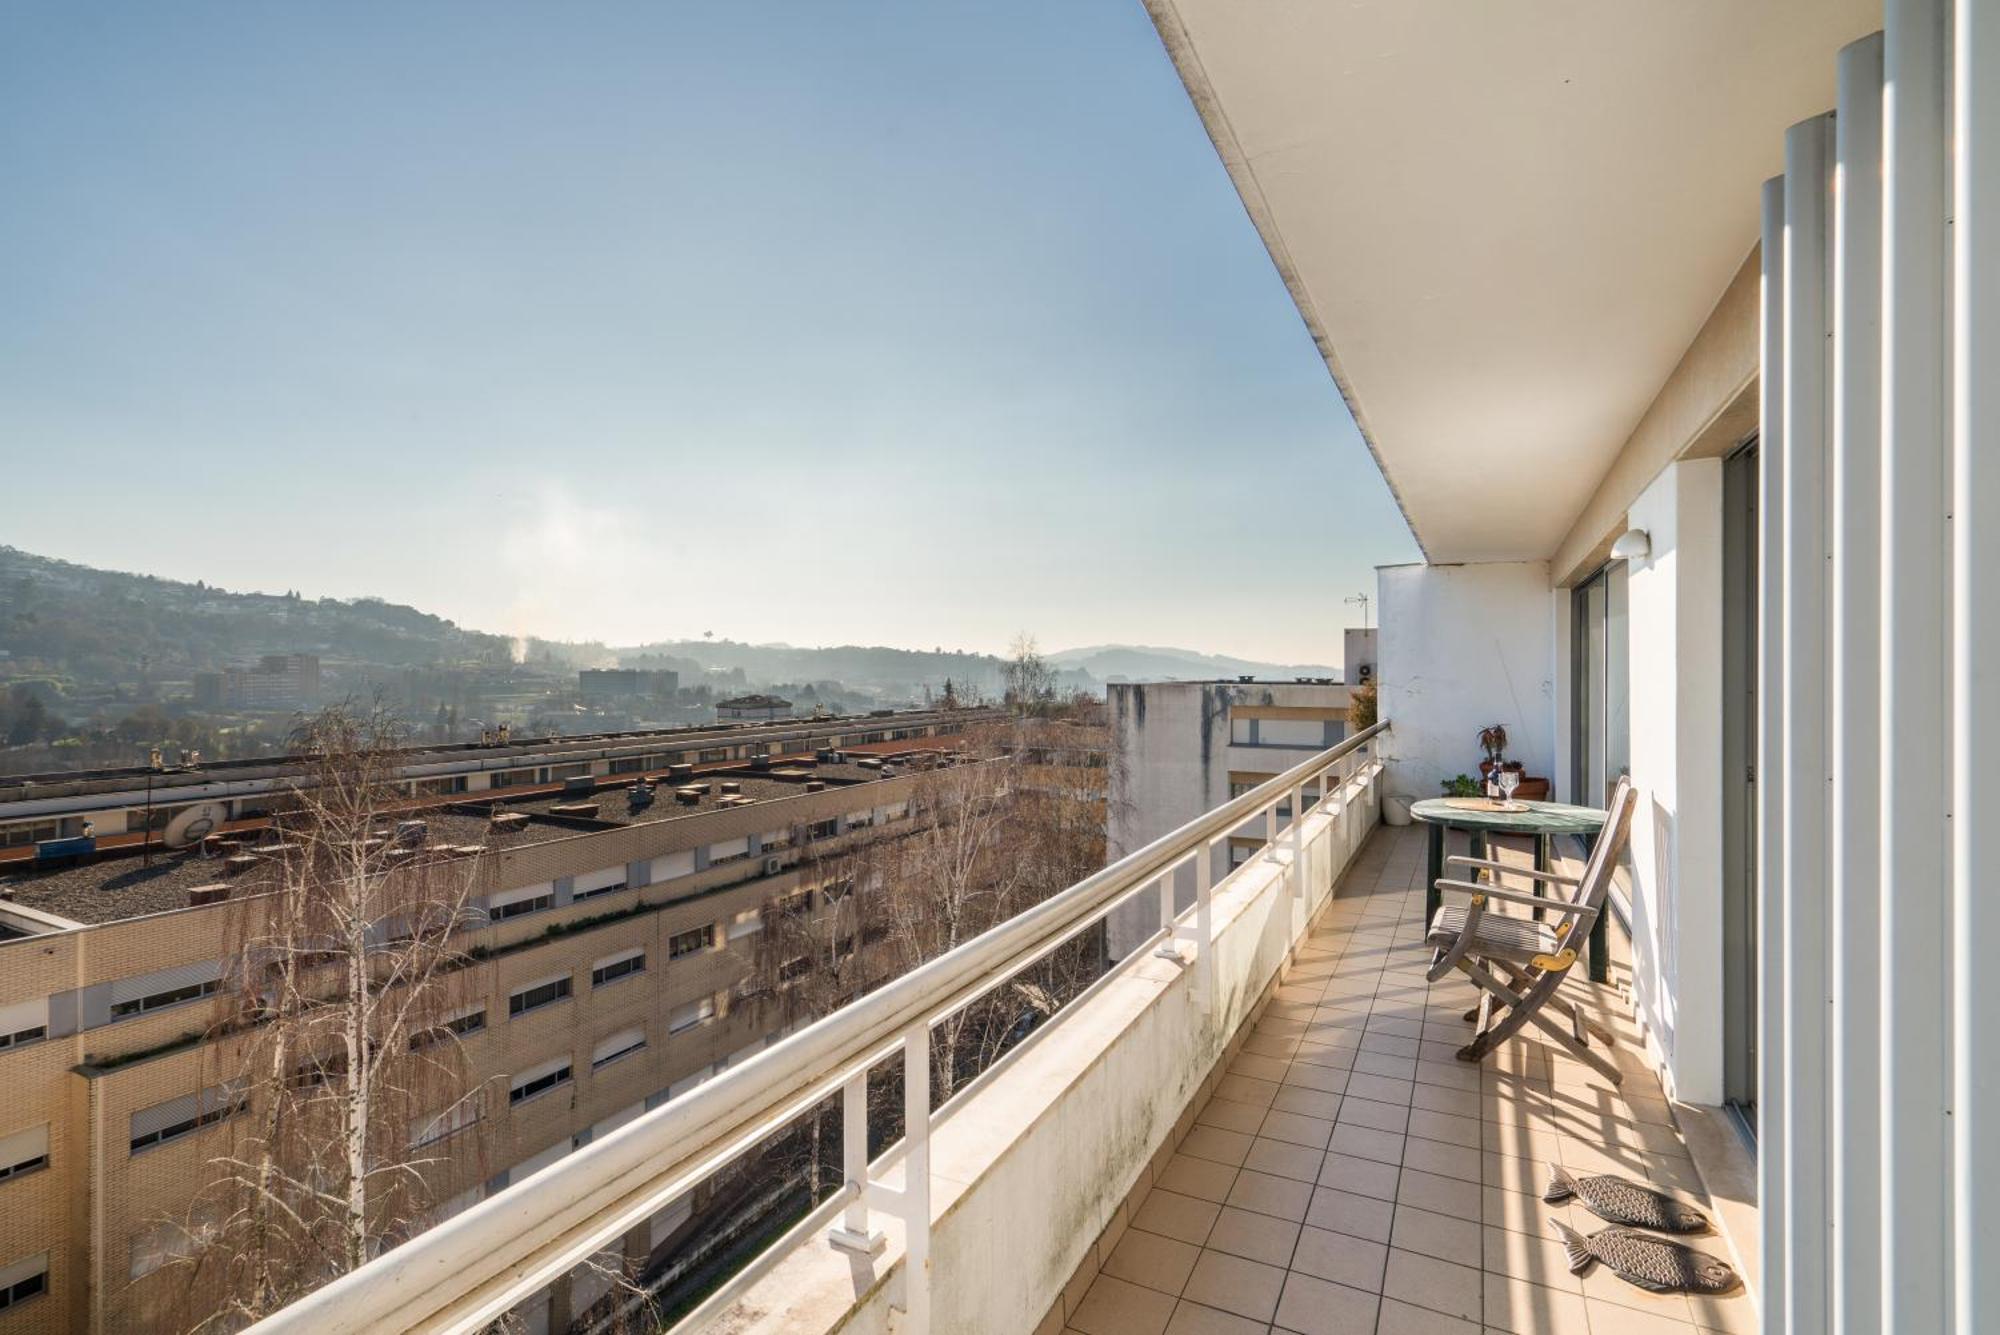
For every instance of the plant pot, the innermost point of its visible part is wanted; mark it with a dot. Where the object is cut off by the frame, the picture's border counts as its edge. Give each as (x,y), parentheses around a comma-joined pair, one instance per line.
(1532,790)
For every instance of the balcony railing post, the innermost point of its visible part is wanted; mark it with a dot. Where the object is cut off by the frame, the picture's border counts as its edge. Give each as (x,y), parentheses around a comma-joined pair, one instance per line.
(854,1235)
(916,1197)
(1169,948)
(1204,926)
(1298,841)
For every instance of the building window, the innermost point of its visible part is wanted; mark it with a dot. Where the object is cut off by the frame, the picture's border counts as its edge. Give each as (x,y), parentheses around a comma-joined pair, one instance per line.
(613,967)
(537,995)
(691,942)
(460,1024)
(26,1022)
(515,908)
(823,829)
(23,1280)
(690,1015)
(185,1115)
(540,1080)
(172,996)
(621,1044)
(24,1152)
(511,778)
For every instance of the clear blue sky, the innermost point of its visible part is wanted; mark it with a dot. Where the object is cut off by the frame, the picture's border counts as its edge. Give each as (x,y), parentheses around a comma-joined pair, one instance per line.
(911,324)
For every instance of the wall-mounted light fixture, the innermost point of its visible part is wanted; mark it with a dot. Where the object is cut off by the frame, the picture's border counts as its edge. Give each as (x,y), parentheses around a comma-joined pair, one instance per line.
(1634,544)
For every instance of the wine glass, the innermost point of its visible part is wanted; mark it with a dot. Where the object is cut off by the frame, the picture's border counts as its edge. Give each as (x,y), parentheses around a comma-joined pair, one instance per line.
(1510,779)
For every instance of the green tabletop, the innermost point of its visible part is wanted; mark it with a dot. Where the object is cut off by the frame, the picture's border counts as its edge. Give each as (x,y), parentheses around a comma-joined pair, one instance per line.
(1543,820)
(1534,818)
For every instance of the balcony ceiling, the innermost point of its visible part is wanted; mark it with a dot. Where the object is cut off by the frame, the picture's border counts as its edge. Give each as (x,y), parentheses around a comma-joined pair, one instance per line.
(1504,223)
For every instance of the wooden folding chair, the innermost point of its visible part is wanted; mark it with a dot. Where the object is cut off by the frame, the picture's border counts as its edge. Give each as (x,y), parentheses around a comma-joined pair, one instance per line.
(1520,962)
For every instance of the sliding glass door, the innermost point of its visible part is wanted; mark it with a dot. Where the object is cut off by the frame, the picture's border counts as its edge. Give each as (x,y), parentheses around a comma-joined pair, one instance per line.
(1601,729)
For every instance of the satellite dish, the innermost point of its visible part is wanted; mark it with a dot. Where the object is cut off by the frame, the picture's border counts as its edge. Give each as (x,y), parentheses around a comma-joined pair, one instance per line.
(194,825)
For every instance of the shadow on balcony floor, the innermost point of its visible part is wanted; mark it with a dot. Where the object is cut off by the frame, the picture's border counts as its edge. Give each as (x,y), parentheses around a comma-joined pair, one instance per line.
(1350,1175)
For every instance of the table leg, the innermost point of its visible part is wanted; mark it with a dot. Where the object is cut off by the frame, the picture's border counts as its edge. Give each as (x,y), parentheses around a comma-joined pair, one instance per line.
(1435,870)
(1600,947)
(1475,847)
(1543,861)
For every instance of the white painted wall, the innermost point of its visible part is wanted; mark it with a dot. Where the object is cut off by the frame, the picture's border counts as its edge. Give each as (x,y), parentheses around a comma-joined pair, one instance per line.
(1461,647)
(1676,697)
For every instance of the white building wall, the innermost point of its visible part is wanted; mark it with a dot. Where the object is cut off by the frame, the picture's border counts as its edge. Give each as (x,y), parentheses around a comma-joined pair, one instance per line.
(1463,646)
(1676,754)
(1172,758)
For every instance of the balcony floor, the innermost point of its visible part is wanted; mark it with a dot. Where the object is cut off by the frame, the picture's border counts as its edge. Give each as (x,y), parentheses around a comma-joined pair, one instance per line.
(1350,1175)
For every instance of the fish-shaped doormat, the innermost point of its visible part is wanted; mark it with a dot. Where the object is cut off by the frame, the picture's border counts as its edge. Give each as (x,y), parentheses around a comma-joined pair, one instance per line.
(1620,1200)
(1649,1262)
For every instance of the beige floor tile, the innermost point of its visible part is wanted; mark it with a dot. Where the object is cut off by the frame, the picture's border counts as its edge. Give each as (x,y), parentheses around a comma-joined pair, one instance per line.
(1381,1116)
(1215,1144)
(1259,1237)
(1259,1068)
(1176,1216)
(1441,1235)
(1609,1317)
(1194,1319)
(1308,1102)
(1539,1259)
(1440,1194)
(1365,1177)
(1434,1156)
(1365,1142)
(1201,1178)
(1236,1284)
(1309,1074)
(1243,1118)
(1522,1308)
(1246,1089)
(1381,1088)
(1400,1318)
(1312,1306)
(1115,1307)
(1152,1260)
(1341,1257)
(1427,1281)
(1284,1159)
(1285,1197)
(1297,1128)
(1344,1212)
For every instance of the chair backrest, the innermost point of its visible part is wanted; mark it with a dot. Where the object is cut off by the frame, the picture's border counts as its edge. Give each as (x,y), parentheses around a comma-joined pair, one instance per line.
(1595,883)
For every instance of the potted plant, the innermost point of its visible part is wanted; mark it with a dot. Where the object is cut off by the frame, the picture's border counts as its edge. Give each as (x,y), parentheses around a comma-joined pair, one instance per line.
(1493,741)
(1461,785)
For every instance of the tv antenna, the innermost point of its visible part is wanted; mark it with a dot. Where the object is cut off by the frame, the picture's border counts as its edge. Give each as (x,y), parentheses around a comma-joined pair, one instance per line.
(1362,599)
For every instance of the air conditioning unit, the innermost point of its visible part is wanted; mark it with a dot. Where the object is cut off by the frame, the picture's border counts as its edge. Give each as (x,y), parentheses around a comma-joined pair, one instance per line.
(772,866)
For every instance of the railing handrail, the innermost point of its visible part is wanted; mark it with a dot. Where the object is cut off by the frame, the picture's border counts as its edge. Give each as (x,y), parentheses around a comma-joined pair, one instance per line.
(443,1278)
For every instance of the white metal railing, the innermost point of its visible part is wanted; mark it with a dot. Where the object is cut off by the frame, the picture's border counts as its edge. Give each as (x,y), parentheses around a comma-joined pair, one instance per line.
(476,1266)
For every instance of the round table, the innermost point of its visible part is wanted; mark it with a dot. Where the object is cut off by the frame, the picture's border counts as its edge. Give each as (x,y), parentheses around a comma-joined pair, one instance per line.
(1542,820)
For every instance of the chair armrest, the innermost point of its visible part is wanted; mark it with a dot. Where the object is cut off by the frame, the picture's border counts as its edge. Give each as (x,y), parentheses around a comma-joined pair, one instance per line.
(1460,860)
(1512,897)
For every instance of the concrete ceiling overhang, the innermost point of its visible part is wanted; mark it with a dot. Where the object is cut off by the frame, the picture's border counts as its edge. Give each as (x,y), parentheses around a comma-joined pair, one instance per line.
(1504,222)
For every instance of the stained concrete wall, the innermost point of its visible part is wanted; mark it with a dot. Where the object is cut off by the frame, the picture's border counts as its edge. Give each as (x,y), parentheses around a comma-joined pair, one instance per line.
(1172,758)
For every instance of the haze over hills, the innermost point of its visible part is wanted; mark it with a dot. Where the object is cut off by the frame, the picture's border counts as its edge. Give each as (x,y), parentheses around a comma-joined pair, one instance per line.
(84,628)
(1140,662)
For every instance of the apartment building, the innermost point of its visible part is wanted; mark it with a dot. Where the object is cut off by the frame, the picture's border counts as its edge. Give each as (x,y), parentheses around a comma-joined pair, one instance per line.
(119,804)
(1182,748)
(615,964)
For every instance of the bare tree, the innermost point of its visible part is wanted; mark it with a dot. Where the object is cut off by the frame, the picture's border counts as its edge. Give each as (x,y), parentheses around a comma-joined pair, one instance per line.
(1030,678)
(344,1084)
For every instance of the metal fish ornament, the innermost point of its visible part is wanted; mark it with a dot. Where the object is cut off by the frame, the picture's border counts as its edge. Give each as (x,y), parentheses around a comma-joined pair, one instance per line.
(1649,1262)
(1620,1200)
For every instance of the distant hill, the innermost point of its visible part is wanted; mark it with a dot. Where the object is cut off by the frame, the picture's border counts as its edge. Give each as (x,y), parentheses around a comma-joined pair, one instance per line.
(1138,662)
(93,625)
(868,667)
